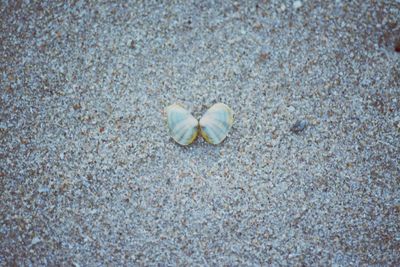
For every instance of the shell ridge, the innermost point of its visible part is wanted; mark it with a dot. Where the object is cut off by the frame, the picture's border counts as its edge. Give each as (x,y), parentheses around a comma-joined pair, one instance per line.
(180,126)
(211,134)
(219,129)
(185,132)
(190,135)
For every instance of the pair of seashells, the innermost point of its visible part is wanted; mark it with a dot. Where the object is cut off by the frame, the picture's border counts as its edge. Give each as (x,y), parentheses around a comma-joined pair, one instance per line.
(214,125)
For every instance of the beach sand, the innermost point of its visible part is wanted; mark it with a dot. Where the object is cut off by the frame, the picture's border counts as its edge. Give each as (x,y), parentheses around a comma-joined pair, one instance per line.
(309,174)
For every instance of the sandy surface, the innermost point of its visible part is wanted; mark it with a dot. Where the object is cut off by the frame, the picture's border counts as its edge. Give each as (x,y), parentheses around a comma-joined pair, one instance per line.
(89,175)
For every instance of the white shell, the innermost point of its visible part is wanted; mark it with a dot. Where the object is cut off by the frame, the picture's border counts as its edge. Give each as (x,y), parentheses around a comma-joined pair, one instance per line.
(183,127)
(216,123)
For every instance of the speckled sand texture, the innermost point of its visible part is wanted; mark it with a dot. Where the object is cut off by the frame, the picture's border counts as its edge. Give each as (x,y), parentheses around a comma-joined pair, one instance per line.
(309,175)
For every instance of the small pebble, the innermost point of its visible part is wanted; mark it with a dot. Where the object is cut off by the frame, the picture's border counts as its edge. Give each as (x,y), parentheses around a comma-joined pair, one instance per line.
(299,126)
(132,44)
(35,240)
(297,4)
(263,57)
(397,47)
(77,106)
(43,189)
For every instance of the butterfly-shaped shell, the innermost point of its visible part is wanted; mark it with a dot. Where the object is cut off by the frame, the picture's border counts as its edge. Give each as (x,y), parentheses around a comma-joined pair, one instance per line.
(183,127)
(216,123)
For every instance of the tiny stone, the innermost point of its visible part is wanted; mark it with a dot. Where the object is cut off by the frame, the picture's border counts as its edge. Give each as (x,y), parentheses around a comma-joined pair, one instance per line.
(35,240)
(44,189)
(76,106)
(132,44)
(297,4)
(299,126)
(397,47)
(258,26)
(263,57)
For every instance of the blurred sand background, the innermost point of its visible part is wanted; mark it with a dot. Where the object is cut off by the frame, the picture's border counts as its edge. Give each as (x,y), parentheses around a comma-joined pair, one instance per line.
(90,177)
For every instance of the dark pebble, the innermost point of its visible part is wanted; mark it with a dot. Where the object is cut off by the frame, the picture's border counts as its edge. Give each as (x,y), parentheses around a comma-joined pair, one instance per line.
(397,47)
(299,126)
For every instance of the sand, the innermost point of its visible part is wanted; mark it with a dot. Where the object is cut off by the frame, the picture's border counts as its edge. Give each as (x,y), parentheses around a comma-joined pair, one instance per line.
(309,174)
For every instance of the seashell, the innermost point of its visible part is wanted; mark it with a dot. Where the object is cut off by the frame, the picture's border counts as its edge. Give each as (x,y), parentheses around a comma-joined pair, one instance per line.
(216,123)
(183,127)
